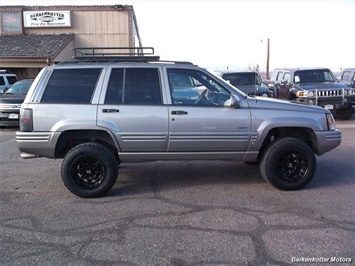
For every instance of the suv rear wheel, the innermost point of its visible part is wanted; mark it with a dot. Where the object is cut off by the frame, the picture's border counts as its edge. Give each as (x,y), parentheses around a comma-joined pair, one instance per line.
(89,170)
(288,164)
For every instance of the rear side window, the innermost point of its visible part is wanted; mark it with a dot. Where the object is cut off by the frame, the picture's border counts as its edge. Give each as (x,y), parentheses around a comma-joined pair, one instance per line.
(346,75)
(71,86)
(11,79)
(2,81)
(287,77)
(134,86)
(279,76)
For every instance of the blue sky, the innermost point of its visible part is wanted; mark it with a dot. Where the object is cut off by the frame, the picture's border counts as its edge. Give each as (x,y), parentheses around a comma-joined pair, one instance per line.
(220,34)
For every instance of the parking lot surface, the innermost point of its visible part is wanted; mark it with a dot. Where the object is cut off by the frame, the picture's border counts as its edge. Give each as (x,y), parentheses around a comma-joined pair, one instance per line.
(178,213)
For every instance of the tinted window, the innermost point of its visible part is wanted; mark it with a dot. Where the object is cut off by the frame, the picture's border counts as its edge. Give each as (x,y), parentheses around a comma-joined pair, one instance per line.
(246,78)
(311,76)
(12,79)
(2,81)
(133,86)
(71,85)
(346,75)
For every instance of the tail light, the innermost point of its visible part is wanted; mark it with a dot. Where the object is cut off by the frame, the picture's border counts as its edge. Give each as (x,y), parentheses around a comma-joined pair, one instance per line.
(26,120)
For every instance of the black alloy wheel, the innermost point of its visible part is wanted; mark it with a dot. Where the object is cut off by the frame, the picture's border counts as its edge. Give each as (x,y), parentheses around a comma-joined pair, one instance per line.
(88,172)
(291,166)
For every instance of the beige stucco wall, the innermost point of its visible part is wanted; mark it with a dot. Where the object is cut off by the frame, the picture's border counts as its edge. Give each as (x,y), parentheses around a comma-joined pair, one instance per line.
(94,26)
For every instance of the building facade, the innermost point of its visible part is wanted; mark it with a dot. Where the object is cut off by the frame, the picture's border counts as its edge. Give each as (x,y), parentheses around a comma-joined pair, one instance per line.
(32,37)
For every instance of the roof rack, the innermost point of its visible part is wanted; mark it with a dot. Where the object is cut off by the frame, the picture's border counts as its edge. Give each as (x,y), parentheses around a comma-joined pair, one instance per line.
(117,54)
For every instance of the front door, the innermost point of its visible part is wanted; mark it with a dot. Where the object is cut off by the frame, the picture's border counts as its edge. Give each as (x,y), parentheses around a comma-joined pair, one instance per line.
(198,119)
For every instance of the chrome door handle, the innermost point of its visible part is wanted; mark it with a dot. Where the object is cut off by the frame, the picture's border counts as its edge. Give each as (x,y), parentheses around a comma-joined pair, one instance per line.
(110,110)
(179,112)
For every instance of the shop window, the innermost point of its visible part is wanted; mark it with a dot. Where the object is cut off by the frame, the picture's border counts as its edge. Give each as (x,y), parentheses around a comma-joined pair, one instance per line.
(11,23)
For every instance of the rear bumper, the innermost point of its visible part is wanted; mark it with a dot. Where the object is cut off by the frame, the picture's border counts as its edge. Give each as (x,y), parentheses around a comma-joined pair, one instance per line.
(36,144)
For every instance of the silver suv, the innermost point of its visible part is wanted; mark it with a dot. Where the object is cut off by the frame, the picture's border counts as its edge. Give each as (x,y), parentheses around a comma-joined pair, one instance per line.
(100,113)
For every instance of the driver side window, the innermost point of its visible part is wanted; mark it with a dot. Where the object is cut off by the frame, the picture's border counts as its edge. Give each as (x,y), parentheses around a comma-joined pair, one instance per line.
(194,88)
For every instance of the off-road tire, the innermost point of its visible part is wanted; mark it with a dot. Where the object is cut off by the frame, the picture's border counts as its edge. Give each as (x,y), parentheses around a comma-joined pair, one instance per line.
(89,170)
(288,164)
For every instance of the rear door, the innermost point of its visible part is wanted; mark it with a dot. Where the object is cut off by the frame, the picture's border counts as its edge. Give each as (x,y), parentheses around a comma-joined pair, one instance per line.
(204,124)
(133,108)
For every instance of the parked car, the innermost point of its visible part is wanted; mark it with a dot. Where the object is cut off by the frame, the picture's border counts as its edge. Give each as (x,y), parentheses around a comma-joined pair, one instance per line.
(314,86)
(102,112)
(10,102)
(6,80)
(249,82)
(348,77)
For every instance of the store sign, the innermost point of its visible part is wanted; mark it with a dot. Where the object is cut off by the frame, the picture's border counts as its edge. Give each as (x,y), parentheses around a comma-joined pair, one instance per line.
(40,19)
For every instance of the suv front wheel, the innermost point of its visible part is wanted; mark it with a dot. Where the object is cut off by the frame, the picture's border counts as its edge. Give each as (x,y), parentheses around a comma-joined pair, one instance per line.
(89,170)
(288,164)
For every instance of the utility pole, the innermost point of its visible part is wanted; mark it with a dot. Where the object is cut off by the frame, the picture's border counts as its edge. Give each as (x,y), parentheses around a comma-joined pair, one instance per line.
(268,59)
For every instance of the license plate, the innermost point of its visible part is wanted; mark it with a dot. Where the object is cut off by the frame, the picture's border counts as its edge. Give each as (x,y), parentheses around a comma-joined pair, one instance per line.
(13,116)
(329,107)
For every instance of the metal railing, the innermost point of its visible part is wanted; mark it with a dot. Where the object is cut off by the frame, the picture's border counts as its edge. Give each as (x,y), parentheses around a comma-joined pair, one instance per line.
(141,54)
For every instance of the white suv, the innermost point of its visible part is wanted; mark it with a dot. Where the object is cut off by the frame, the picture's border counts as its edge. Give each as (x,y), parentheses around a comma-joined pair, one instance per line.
(6,80)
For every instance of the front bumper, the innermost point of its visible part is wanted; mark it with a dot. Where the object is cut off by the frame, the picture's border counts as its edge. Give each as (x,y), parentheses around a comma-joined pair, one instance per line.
(330,103)
(9,118)
(327,140)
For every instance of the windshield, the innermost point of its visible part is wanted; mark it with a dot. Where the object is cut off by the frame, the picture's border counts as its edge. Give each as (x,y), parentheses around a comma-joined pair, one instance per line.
(311,76)
(19,87)
(246,78)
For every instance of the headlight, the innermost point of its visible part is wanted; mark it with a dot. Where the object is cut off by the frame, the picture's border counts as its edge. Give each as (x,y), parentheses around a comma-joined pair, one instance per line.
(330,121)
(264,95)
(303,94)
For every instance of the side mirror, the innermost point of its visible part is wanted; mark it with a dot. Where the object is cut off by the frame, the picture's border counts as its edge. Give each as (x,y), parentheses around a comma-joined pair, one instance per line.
(233,101)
